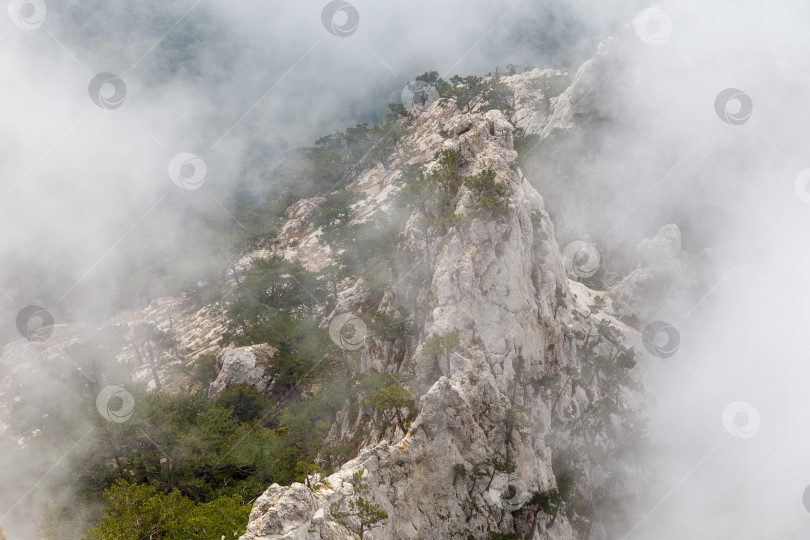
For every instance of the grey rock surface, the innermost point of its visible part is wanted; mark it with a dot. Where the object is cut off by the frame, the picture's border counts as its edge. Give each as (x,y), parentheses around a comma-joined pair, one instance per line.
(498,284)
(243,366)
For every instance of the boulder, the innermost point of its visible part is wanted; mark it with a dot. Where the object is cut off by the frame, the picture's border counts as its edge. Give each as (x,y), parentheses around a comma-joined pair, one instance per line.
(243,366)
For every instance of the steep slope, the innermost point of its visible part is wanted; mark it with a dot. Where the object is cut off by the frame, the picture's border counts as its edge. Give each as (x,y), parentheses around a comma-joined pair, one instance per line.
(529,394)
(521,408)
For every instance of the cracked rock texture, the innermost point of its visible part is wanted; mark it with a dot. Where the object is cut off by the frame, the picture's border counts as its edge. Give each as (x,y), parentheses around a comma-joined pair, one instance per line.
(243,366)
(497,282)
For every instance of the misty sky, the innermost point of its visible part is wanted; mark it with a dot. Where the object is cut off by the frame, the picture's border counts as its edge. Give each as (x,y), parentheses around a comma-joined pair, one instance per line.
(213,79)
(729,408)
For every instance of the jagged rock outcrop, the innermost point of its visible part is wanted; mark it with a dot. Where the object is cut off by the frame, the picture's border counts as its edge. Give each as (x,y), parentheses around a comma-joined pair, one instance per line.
(580,98)
(243,366)
(498,284)
(665,273)
(186,331)
(537,93)
(536,357)
(297,239)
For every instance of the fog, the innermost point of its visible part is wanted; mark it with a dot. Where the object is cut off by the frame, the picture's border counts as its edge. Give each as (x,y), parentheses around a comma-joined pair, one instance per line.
(728,408)
(212,79)
(78,181)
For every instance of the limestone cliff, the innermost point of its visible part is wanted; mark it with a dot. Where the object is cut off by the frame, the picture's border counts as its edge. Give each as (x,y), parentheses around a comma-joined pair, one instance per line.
(525,412)
(534,379)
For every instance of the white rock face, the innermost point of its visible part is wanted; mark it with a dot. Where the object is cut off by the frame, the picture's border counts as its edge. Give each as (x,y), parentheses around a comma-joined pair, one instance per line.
(497,282)
(195,331)
(536,94)
(282,513)
(664,283)
(297,240)
(243,366)
(583,97)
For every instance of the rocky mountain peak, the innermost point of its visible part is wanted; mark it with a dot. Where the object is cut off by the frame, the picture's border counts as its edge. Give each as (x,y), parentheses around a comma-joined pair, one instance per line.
(523,384)
(479,441)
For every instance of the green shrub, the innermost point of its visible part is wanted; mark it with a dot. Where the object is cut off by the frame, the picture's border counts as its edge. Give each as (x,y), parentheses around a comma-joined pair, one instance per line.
(134,512)
(490,192)
(245,401)
(204,370)
(364,510)
(336,211)
(438,344)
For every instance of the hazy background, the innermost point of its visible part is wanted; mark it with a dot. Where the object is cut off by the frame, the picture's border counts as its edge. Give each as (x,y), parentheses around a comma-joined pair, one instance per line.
(240,84)
(237,85)
(729,409)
